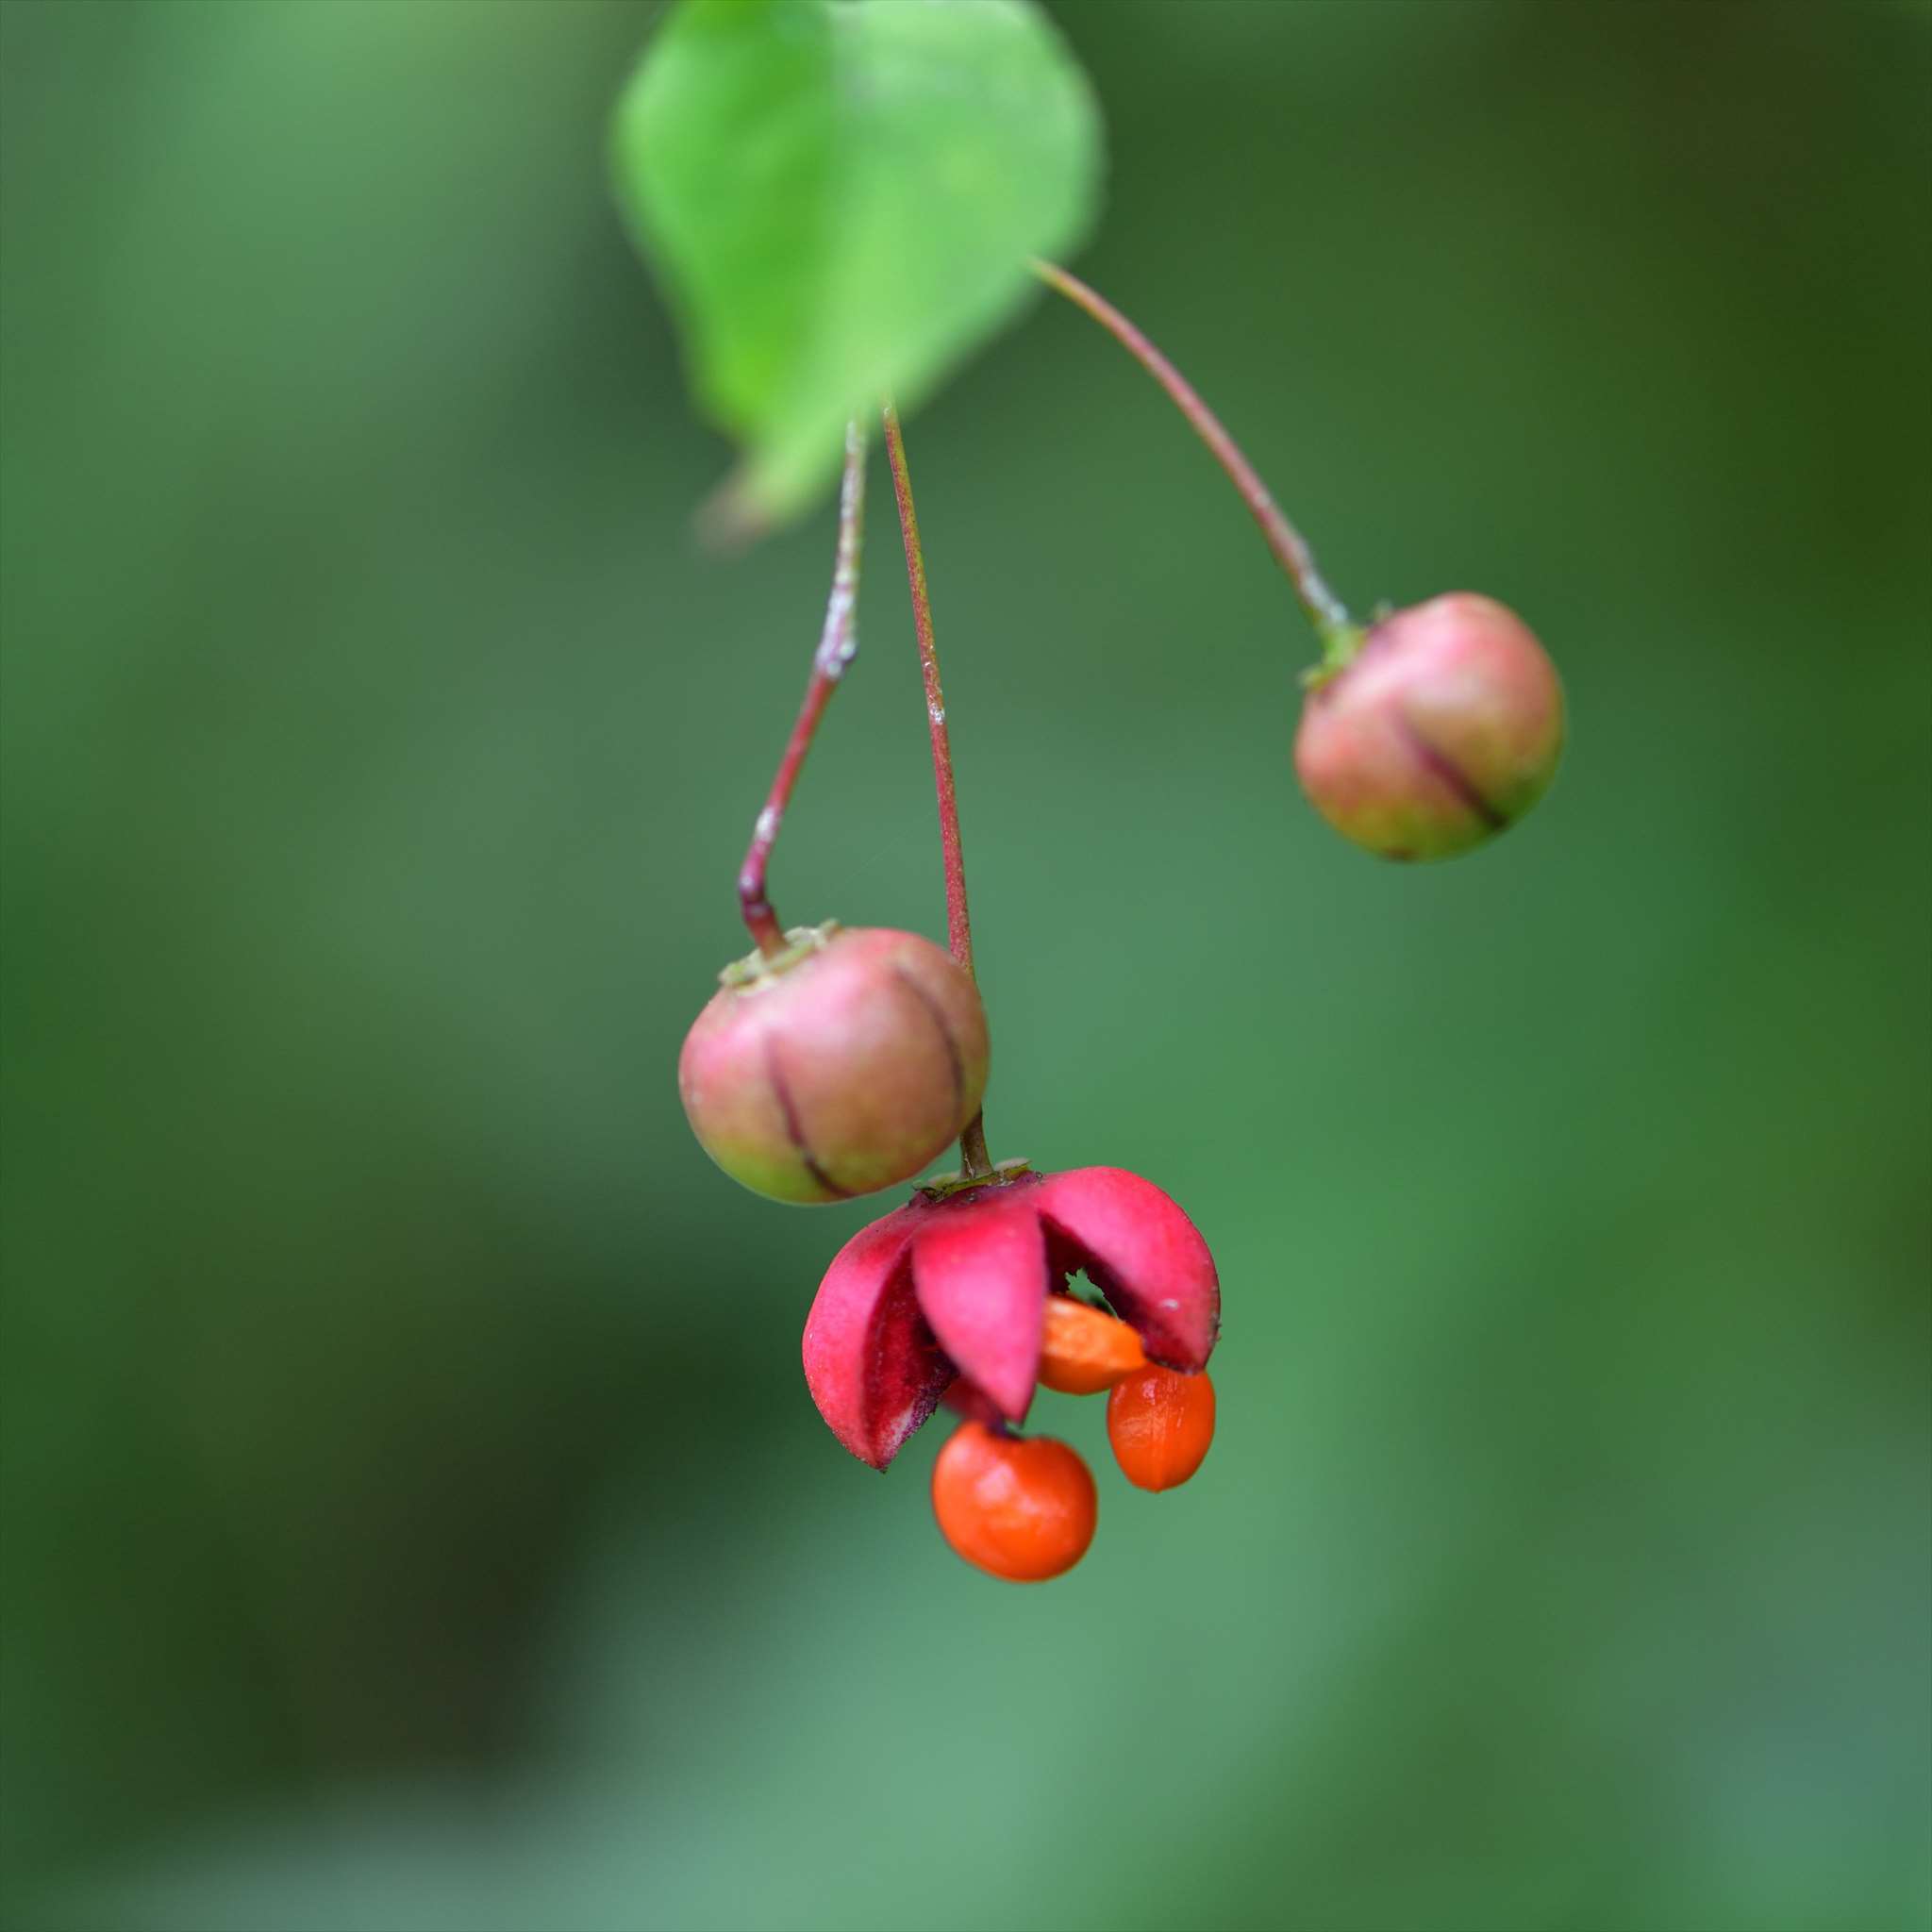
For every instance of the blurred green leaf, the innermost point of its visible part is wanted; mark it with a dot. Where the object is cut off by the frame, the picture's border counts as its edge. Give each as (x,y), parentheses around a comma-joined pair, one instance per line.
(841,196)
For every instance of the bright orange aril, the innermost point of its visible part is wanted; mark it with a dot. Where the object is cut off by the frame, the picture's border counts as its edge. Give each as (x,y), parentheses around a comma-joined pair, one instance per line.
(1021,1508)
(1084,1349)
(1160,1425)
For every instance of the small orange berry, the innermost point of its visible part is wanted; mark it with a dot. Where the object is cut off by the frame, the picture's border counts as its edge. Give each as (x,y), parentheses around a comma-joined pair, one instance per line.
(1085,1349)
(1160,1425)
(1017,1508)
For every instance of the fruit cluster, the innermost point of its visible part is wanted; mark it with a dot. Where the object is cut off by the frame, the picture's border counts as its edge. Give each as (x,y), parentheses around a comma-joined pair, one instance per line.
(844,1063)
(962,1294)
(834,1062)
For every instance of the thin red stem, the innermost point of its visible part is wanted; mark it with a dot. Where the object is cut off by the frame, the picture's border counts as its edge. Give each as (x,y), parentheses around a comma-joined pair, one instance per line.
(837,645)
(958,923)
(1325,612)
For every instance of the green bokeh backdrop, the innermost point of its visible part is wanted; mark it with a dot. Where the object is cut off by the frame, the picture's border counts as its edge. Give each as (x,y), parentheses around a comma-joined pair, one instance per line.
(414,1521)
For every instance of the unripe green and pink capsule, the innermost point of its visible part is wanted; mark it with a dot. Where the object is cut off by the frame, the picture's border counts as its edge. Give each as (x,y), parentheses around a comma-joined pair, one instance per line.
(1444,727)
(840,1066)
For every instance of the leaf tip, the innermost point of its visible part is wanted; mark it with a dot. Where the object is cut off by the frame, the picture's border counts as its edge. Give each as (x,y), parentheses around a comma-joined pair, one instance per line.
(731,519)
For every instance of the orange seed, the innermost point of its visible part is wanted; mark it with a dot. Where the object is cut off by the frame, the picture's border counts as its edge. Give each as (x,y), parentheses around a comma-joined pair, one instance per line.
(1085,1349)
(1160,1425)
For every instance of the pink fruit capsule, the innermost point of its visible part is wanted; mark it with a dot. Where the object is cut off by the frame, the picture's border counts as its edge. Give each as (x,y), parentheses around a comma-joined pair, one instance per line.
(842,1066)
(1444,727)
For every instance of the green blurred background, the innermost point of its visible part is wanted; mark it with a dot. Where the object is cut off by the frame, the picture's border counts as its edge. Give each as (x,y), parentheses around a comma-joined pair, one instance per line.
(414,1520)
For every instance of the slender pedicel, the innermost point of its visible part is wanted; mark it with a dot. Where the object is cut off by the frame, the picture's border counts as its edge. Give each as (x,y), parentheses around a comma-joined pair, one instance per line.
(837,645)
(973,1151)
(1325,612)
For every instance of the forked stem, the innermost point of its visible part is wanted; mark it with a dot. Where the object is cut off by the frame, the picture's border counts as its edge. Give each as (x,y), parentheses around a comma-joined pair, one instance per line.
(1325,612)
(837,645)
(972,1152)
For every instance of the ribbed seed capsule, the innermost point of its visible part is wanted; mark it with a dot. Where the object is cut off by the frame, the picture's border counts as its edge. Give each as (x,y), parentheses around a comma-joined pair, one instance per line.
(1444,727)
(842,1065)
